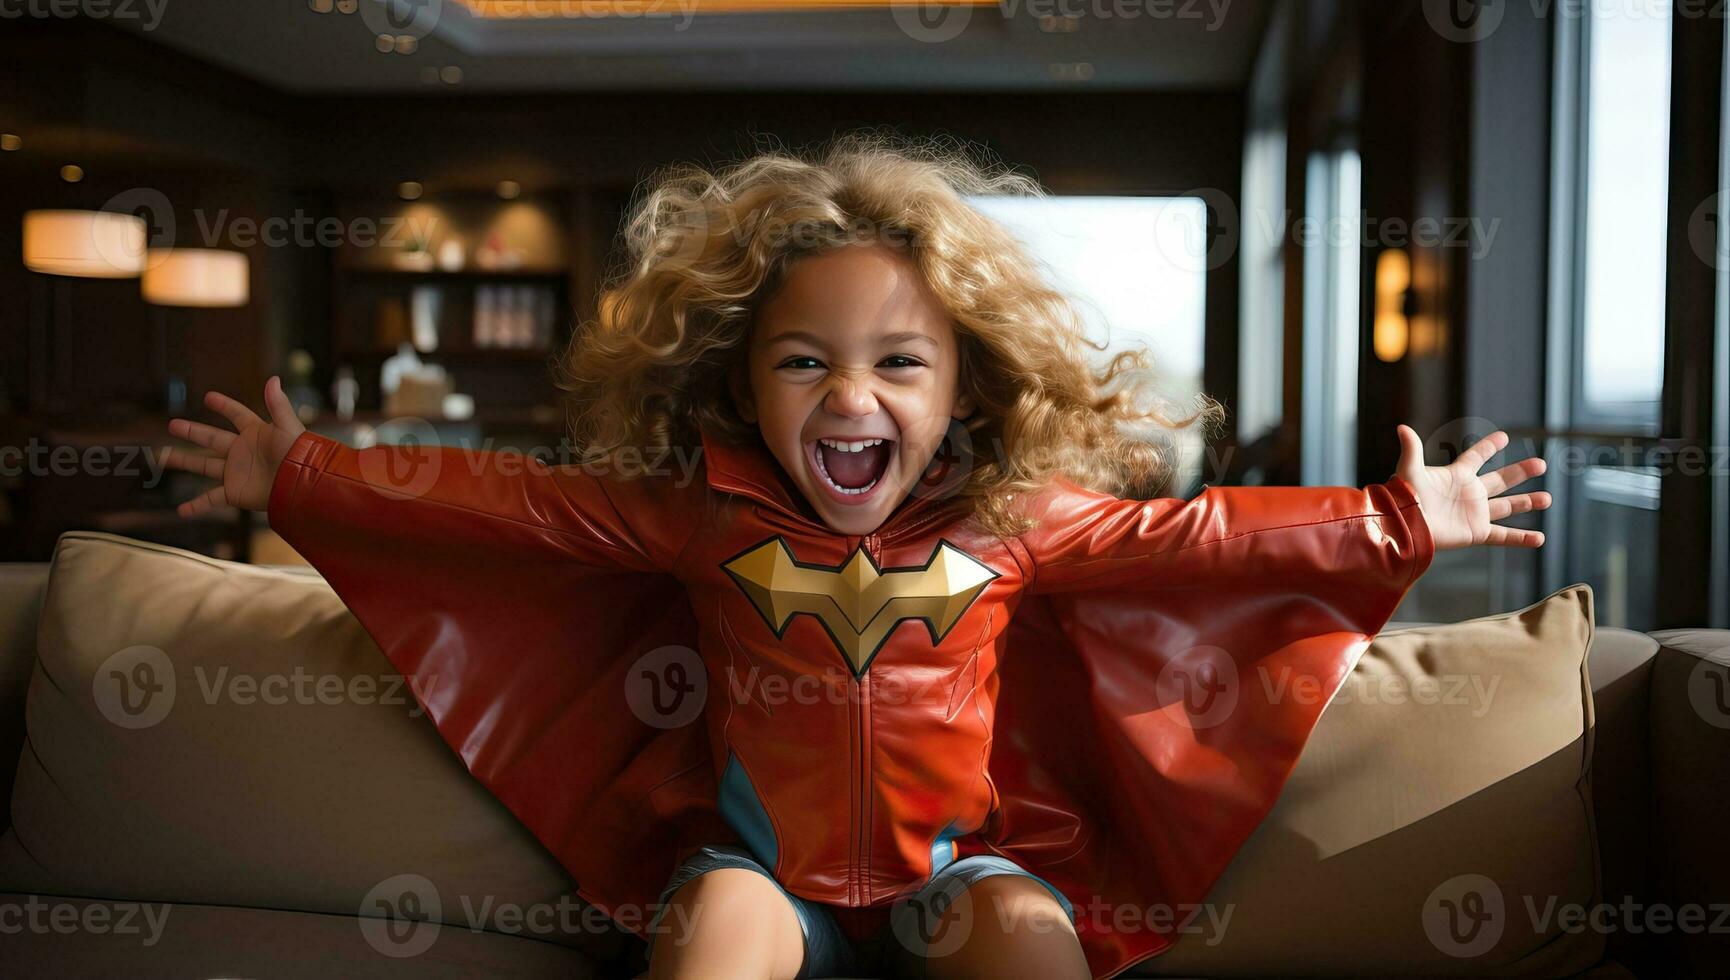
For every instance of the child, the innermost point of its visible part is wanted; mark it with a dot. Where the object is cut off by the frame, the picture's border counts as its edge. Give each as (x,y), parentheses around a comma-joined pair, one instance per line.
(910,677)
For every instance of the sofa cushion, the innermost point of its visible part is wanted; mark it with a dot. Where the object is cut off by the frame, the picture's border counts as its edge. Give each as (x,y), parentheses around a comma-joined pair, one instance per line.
(78,937)
(1440,809)
(206,732)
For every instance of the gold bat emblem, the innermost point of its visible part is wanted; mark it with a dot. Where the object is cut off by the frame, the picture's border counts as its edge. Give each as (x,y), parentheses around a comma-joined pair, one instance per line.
(858,603)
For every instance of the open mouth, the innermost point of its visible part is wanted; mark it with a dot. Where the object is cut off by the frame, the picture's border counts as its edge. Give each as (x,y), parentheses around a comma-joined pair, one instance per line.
(852,468)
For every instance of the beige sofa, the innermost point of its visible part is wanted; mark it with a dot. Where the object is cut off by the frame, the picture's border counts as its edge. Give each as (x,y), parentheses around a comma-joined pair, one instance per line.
(212,771)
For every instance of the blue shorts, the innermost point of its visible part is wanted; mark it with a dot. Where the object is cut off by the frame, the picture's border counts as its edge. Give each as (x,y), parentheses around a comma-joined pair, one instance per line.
(828,951)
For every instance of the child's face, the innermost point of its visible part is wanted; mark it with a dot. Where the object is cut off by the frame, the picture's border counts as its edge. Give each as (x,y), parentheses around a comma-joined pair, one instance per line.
(853,349)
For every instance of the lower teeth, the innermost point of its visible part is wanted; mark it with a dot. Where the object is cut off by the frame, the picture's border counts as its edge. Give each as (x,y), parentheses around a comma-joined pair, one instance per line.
(821,468)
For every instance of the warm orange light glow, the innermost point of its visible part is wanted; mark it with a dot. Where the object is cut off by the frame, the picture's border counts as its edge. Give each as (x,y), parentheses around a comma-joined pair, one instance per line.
(546,9)
(86,244)
(1392,333)
(196,277)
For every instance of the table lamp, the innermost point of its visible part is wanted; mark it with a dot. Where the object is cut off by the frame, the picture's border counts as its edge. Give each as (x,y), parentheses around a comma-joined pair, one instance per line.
(204,278)
(64,244)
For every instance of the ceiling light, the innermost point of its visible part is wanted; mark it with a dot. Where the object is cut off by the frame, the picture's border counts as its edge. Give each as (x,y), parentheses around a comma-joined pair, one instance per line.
(509,189)
(10,141)
(409,190)
(87,244)
(72,173)
(206,277)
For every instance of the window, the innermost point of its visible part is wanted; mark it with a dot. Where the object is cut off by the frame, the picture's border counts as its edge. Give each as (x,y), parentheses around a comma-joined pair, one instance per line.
(1331,299)
(1720,588)
(1136,267)
(1609,221)
(1625,181)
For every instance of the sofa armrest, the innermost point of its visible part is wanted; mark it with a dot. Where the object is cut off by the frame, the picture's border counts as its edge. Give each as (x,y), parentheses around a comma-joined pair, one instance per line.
(21,588)
(1690,740)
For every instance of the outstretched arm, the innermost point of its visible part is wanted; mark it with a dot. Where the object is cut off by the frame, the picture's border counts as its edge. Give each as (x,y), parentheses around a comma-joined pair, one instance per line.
(328,500)
(1381,534)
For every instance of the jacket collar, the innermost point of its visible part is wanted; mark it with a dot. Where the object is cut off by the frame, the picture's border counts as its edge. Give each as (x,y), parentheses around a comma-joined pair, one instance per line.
(752,471)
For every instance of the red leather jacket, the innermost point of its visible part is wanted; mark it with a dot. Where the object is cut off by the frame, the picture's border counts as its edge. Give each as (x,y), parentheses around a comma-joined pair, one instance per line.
(1112,699)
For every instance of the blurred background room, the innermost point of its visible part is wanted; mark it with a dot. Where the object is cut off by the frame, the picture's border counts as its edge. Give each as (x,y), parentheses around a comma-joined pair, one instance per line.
(1330,216)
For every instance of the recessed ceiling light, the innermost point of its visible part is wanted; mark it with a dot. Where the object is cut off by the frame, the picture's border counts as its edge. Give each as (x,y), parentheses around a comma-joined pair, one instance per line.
(347,6)
(384,44)
(321,6)
(451,75)
(72,173)
(10,141)
(406,43)
(409,190)
(509,189)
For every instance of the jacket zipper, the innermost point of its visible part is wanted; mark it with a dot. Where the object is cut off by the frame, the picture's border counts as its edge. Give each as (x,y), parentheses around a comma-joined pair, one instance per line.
(862,760)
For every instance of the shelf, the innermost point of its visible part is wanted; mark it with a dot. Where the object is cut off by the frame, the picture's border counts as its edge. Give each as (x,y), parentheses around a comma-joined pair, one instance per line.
(503,354)
(462,275)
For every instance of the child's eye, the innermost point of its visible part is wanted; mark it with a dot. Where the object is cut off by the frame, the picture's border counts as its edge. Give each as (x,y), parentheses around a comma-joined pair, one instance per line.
(800,363)
(901,361)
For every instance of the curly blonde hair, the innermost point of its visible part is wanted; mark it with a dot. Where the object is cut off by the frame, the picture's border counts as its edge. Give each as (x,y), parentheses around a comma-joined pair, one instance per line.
(706,248)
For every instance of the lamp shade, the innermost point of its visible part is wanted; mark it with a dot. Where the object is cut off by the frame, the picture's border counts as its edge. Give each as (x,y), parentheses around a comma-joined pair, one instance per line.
(196,277)
(87,244)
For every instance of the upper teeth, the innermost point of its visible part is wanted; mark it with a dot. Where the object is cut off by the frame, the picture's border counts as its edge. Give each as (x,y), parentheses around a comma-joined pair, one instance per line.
(849,447)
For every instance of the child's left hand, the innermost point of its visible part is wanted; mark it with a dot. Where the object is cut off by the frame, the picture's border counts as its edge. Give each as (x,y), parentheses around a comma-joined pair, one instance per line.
(1459,505)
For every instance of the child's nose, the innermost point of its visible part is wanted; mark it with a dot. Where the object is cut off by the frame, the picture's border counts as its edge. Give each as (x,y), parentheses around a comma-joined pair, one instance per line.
(850,398)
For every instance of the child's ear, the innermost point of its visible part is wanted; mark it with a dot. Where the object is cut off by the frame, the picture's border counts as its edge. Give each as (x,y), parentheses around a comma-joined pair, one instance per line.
(963,407)
(740,387)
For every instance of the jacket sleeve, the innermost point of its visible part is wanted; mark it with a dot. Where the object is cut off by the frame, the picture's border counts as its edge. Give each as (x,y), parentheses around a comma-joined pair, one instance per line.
(419,501)
(1228,535)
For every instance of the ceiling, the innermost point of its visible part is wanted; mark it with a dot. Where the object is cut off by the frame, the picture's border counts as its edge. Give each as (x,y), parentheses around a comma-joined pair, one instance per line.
(493,46)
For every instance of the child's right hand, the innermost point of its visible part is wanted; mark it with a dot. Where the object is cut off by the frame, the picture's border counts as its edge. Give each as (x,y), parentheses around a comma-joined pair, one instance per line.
(245,460)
